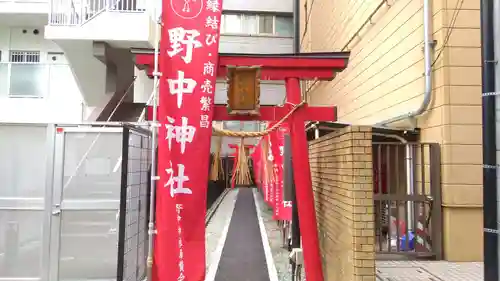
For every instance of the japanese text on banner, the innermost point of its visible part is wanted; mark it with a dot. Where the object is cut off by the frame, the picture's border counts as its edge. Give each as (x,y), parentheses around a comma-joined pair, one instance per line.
(189,63)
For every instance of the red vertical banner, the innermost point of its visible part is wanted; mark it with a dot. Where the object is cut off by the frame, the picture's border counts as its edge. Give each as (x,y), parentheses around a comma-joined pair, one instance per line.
(270,161)
(263,170)
(285,212)
(278,154)
(188,62)
(255,165)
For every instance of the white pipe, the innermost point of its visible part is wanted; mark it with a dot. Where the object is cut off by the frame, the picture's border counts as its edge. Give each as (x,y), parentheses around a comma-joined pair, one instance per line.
(410,187)
(428,46)
(154,136)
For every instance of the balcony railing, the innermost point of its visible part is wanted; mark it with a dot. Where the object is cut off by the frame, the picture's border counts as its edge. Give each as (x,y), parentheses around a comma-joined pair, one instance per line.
(33,80)
(79,12)
(25,1)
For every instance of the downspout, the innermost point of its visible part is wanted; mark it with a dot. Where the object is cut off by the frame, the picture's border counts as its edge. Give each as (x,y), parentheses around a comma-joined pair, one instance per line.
(428,46)
(490,193)
(154,141)
(496,50)
(295,241)
(316,131)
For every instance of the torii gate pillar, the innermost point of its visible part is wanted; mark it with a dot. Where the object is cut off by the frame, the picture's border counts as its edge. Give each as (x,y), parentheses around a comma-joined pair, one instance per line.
(303,182)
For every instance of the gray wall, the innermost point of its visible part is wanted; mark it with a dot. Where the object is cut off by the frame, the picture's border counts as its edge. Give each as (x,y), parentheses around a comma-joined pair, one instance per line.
(255,44)
(259,5)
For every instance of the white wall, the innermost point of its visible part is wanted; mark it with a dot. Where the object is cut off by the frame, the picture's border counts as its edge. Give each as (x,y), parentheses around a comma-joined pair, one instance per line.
(61,101)
(143,86)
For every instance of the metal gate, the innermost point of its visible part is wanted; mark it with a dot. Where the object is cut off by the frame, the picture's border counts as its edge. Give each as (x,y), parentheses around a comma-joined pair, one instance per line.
(22,192)
(73,202)
(407,199)
(85,203)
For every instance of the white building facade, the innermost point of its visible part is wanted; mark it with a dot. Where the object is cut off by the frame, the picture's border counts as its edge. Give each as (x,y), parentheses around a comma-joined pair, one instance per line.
(71,61)
(36,81)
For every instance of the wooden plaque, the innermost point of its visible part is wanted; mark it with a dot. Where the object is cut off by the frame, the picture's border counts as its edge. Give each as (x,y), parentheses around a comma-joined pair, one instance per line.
(243,91)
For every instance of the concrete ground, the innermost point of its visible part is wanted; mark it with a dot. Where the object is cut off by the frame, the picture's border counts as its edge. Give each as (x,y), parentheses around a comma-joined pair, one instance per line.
(429,271)
(386,270)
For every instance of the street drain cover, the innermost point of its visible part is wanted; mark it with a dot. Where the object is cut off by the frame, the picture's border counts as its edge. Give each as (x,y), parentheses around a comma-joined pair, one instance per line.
(405,274)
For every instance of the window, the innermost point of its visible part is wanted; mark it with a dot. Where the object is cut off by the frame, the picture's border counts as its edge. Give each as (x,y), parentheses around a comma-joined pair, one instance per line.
(252,24)
(231,23)
(250,126)
(284,26)
(27,77)
(232,125)
(24,56)
(266,24)
(4,77)
(246,126)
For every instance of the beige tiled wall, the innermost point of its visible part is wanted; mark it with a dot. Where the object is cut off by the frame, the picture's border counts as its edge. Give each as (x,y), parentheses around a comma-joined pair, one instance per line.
(342,181)
(385,79)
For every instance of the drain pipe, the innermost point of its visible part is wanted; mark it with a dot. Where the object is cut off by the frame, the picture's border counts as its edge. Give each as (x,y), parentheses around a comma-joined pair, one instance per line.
(295,241)
(490,192)
(316,131)
(154,141)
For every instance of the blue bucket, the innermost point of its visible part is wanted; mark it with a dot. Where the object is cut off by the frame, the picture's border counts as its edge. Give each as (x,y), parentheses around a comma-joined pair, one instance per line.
(411,242)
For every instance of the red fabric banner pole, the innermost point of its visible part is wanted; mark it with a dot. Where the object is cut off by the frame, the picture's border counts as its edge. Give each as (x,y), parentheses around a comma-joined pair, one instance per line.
(303,182)
(188,62)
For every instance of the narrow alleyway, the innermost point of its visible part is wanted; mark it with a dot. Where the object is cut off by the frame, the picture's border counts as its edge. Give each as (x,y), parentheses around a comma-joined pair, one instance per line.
(235,241)
(243,255)
(235,250)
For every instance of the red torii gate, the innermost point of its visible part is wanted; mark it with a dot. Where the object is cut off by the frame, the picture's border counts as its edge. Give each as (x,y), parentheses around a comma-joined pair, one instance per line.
(292,68)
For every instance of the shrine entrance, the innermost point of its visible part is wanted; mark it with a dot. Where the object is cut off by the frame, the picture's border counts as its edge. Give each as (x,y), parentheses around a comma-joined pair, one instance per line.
(243,105)
(185,68)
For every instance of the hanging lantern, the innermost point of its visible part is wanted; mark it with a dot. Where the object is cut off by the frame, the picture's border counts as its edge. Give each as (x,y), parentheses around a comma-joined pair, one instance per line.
(243,90)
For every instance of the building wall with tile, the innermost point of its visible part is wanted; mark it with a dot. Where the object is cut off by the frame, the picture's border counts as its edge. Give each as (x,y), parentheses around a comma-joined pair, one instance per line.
(385,79)
(341,170)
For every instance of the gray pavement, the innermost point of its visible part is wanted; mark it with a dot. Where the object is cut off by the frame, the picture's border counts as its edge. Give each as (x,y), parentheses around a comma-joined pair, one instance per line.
(217,223)
(429,271)
(386,270)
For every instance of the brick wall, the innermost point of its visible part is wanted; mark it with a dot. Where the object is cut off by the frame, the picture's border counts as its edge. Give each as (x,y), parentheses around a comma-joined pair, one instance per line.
(341,170)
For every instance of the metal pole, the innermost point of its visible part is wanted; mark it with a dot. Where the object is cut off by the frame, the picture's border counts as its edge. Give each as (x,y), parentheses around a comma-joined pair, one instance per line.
(295,243)
(154,127)
(496,50)
(489,143)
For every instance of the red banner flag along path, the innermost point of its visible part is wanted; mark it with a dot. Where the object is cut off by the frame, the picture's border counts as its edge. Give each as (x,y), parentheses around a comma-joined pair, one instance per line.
(270,161)
(188,62)
(277,138)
